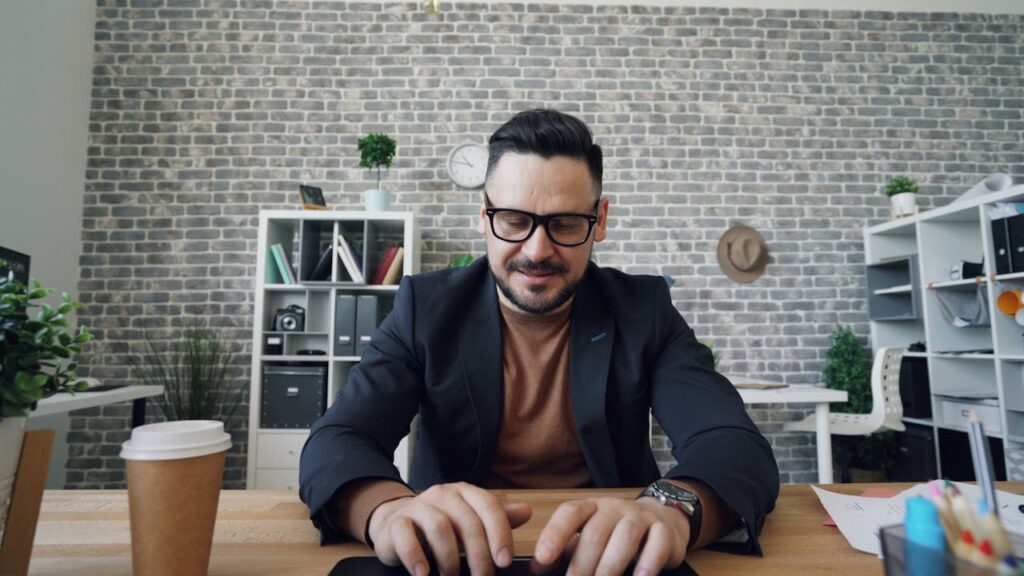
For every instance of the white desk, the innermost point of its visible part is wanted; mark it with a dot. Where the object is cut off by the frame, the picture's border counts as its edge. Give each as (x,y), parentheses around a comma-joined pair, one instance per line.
(800,394)
(53,412)
(65,402)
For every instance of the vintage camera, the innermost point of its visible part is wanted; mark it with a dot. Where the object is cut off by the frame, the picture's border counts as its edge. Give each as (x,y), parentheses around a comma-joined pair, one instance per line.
(290,319)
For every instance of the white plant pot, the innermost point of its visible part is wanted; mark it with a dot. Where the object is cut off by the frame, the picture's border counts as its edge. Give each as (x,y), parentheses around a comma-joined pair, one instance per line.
(378,200)
(904,204)
(12,433)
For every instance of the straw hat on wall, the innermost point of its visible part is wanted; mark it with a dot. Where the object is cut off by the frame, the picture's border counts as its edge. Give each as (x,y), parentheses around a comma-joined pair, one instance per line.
(742,254)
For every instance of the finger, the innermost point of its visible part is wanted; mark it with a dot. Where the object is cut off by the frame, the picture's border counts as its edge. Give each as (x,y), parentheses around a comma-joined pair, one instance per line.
(437,530)
(471,531)
(518,514)
(622,547)
(593,539)
(657,552)
(561,565)
(406,543)
(568,519)
(496,527)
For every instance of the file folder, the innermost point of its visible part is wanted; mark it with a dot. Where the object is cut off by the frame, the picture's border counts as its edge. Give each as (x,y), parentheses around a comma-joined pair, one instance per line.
(1001,246)
(345,325)
(366,322)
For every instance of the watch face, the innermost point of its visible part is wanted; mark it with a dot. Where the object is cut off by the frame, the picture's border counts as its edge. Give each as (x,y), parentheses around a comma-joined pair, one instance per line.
(467,165)
(676,492)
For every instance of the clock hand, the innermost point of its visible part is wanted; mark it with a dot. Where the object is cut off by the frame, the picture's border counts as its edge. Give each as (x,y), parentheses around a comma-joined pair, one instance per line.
(457,161)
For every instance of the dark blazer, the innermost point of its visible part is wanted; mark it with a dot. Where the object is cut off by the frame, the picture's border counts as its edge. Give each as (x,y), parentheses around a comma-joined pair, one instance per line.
(439,354)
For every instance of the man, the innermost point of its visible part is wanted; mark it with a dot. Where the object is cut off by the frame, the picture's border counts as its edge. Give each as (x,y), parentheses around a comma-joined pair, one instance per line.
(534,368)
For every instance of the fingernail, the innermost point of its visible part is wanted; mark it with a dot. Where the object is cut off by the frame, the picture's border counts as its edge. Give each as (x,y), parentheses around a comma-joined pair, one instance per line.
(643,572)
(504,557)
(421,569)
(545,553)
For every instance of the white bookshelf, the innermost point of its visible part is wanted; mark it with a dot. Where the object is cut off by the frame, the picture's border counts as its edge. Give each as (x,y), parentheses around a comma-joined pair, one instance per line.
(983,360)
(273,454)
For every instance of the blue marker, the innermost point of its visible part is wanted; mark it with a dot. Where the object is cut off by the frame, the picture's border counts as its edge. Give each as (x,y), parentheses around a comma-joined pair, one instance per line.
(926,542)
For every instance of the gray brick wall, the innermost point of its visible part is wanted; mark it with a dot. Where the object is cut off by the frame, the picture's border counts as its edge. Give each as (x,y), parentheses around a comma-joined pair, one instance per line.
(204,112)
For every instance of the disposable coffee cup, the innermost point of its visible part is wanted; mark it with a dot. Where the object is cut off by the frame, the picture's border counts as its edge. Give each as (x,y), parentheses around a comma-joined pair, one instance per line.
(175,470)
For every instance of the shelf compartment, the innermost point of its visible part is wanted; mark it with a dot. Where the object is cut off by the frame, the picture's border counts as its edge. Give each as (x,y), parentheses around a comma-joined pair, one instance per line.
(892,289)
(956,375)
(1012,374)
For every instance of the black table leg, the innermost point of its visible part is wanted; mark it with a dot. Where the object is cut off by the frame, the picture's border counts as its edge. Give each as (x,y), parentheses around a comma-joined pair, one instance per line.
(138,412)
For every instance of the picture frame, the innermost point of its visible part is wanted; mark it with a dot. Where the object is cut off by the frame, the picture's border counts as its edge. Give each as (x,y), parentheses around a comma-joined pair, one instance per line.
(312,197)
(12,261)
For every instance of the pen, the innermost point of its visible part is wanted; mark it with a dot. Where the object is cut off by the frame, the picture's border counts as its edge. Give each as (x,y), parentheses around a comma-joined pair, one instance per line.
(982,461)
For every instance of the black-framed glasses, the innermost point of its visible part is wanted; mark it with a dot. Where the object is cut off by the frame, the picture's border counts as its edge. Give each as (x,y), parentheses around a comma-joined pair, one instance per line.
(564,228)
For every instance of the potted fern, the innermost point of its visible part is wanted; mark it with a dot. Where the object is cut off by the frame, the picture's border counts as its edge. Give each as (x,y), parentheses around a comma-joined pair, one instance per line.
(35,362)
(902,191)
(195,373)
(375,152)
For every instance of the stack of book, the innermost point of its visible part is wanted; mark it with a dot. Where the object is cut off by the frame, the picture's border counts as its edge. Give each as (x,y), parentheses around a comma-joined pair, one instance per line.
(351,259)
(279,269)
(390,269)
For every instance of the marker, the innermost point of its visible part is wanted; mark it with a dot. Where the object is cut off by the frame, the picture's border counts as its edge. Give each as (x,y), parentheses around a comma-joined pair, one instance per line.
(926,542)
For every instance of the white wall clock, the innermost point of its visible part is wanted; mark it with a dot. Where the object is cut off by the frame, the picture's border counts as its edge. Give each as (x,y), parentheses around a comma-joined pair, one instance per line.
(467,165)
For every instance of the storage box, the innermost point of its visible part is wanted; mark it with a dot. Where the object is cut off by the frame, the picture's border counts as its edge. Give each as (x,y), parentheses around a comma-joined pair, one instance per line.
(956,411)
(292,396)
(896,551)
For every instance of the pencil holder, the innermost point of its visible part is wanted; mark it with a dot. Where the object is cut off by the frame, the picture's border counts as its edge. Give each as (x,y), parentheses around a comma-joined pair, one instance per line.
(903,558)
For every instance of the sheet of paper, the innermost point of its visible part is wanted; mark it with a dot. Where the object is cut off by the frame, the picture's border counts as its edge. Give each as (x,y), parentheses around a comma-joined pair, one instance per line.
(860,518)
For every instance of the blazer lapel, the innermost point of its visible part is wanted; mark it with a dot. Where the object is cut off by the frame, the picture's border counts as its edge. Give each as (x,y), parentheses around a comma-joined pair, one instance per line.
(480,350)
(590,354)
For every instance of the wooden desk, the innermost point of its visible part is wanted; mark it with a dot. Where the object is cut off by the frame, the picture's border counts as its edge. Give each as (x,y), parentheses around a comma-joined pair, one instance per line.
(268,533)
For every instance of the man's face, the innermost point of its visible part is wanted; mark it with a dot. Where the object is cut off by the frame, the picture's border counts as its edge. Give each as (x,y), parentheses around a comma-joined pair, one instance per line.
(538,276)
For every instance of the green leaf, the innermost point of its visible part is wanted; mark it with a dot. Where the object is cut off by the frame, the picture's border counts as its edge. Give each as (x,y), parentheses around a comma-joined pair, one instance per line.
(461,261)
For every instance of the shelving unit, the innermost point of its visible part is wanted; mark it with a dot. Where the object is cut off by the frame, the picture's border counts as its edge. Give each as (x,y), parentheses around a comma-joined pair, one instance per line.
(982,364)
(273,457)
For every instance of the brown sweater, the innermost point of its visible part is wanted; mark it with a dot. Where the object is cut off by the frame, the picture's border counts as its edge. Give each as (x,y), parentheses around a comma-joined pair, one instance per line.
(537,443)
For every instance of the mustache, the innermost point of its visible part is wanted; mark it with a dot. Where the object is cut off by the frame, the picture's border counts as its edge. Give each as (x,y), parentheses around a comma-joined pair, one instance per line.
(542,267)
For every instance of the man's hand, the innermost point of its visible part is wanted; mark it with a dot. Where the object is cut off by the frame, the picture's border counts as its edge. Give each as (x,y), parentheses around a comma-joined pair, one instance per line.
(441,520)
(603,535)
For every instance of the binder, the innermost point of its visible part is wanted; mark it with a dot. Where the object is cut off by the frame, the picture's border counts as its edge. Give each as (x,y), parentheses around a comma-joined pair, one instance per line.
(1001,246)
(345,325)
(366,322)
(1015,235)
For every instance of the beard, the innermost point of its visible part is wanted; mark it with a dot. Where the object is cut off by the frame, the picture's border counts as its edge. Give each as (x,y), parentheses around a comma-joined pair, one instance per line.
(543,306)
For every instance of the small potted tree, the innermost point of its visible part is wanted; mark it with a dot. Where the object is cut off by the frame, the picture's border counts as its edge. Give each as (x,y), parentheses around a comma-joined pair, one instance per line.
(375,152)
(902,191)
(35,362)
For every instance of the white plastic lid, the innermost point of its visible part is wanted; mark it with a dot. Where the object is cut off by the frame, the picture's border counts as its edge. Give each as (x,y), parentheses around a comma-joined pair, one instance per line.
(176,440)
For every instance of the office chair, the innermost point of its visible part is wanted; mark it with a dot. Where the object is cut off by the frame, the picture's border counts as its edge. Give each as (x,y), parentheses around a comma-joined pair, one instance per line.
(886,406)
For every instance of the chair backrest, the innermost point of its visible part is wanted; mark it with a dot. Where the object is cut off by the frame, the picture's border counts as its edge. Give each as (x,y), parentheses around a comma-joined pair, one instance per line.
(886,406)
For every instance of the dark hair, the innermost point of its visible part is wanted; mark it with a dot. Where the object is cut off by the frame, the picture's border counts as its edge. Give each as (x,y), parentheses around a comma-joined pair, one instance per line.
(547,133)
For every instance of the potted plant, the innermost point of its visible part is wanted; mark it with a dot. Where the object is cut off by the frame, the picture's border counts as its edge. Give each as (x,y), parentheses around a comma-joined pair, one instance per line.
(848,367)
(195,374)
(375,152)
(902,190)
(35,362)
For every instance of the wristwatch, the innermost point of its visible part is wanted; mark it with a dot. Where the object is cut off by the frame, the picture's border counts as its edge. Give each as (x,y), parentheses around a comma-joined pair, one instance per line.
(681,499)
